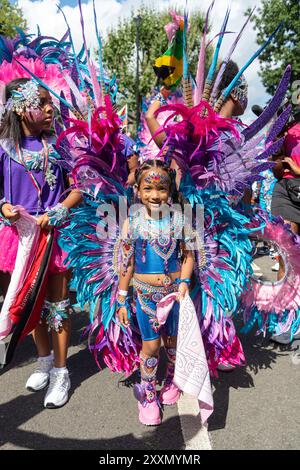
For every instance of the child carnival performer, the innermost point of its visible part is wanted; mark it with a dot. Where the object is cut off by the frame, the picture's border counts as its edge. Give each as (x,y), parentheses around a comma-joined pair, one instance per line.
(221,158)
(159,263)
(33,179)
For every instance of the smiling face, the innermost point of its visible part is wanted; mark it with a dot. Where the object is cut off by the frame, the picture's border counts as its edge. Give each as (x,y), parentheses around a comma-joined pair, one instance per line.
(154,190)
(37,120)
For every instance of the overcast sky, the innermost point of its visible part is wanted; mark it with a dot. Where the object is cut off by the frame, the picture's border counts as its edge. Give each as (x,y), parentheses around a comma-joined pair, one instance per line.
(50,20)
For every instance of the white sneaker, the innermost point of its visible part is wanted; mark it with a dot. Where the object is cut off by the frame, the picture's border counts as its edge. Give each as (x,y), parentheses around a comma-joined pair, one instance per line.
(285,338)
(40,377)
(57,393)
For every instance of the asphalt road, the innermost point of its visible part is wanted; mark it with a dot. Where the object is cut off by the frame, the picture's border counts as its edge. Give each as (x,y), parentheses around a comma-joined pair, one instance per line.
(256,407)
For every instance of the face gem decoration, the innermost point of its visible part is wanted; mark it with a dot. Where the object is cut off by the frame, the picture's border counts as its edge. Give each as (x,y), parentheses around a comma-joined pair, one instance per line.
(157,178)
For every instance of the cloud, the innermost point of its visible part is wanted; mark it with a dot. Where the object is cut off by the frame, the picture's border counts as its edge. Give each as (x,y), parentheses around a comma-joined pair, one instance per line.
(109,12)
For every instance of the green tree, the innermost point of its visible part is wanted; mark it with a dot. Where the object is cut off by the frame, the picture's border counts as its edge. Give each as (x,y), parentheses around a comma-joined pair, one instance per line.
(11,16)
(285,47)
(119,53)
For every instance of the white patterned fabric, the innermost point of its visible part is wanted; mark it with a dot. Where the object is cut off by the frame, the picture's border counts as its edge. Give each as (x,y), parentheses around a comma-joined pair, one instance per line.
(191,368)
(28,232)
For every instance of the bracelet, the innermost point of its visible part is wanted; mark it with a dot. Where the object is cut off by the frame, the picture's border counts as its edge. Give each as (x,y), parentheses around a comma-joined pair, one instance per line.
(57,215)
(179,281)
(1,205)
(121,303)
(122,292)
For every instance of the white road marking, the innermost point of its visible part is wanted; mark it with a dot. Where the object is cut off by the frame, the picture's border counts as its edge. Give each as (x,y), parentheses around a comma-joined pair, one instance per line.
(195,435)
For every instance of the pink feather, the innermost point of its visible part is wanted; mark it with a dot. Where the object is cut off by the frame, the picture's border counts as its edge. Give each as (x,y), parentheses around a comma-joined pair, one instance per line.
(200,77)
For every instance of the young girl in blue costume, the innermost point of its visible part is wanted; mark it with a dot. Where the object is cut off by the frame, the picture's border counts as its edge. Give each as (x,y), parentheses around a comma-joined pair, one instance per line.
(159,263)
(31,176)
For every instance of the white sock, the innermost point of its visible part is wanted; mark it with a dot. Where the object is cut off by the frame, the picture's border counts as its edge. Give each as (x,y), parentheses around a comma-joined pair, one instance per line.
(46,358)
(60,369)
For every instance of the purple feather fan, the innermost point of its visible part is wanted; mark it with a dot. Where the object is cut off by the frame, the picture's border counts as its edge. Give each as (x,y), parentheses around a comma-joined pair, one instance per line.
(64,112)
(272,107)
(272,149)
(279,124)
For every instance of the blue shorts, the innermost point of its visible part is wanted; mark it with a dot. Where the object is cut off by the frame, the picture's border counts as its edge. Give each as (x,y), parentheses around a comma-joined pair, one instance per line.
(146,314)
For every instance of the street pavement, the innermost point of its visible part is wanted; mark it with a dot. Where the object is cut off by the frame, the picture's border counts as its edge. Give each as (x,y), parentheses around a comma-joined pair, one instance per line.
(256,407)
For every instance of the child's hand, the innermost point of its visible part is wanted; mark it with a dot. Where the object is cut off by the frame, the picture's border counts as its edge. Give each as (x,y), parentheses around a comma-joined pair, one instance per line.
(123,316)
(183,290)
(9,213)
(293,166)
(43,222)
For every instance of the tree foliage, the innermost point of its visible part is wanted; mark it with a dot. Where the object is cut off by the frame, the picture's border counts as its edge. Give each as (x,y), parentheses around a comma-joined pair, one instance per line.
(119,53)
(11,16)
(285,47)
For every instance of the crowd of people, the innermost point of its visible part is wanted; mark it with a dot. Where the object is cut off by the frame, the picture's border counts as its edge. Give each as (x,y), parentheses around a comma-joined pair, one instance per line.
(182,253)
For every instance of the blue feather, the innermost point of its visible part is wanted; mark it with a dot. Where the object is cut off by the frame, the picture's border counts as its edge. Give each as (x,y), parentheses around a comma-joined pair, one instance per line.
(232,84)
(213,65)
(73,47)
(185,58)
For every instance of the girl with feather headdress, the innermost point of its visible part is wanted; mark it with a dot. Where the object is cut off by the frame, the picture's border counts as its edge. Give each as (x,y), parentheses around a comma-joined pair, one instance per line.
(33,184)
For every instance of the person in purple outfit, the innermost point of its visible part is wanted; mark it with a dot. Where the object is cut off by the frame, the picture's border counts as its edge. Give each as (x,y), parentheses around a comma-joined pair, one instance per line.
(31,176)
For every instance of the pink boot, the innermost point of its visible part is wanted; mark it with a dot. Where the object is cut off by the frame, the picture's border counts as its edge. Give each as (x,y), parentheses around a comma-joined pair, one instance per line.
(170,393)
(149,410)
(145,392)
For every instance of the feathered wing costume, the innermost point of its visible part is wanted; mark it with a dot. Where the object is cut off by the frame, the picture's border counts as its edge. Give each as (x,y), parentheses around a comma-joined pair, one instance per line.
(219,161)
(72,80)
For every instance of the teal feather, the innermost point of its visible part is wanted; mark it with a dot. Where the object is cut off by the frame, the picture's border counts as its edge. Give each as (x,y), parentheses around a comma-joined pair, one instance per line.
(73,49)
(185,58)
(99,44)
(232,84)
(214,62)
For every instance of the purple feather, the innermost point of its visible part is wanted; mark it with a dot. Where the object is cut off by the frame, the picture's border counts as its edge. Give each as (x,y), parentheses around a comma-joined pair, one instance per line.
(279,124)
(65,36)
(74,102)
(74,75)
(64,111)
(272,149)
(263,167)
(272,107)
(226,60)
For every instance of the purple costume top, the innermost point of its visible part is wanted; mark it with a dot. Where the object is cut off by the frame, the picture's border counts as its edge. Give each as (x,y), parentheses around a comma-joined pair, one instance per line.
(17,187)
